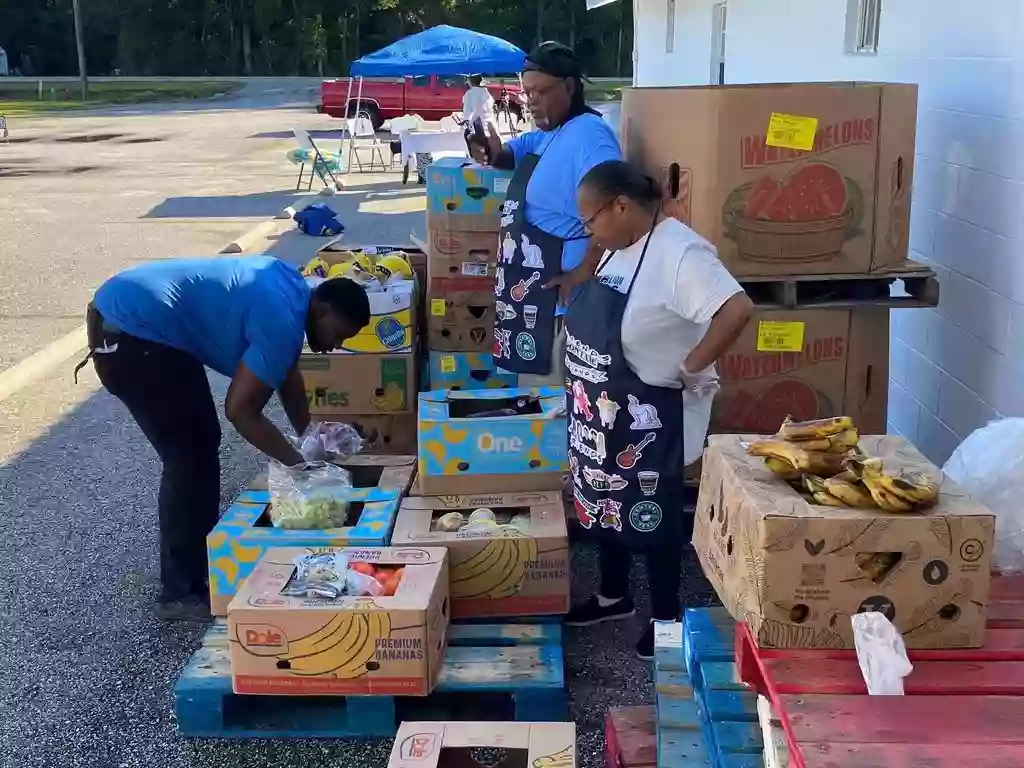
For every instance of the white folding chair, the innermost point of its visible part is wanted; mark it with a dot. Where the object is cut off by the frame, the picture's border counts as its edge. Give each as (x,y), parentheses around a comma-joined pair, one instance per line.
(449,123)
(319,163)
(363,137)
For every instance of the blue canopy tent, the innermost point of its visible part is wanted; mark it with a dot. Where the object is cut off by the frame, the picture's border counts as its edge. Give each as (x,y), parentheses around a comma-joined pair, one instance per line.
(442,50)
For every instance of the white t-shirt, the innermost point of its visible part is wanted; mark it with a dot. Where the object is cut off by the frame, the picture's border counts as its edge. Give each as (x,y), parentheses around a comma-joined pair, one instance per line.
(478,103)
(679,288)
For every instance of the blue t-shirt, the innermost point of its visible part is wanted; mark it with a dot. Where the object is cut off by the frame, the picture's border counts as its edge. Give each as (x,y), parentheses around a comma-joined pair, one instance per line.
(567,153)
(221,311)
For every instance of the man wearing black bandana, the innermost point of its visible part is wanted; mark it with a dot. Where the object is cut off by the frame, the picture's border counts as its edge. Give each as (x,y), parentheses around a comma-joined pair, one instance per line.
(545,251)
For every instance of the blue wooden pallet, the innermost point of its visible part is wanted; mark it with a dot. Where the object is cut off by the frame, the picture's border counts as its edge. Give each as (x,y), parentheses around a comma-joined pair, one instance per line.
(491,672)
(680,742)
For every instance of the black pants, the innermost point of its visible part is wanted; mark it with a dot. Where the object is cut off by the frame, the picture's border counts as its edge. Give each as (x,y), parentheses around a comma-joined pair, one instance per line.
(167,393)
(664,570)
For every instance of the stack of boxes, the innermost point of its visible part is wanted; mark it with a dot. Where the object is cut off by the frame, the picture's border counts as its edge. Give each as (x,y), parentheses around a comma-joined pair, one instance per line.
(804,190)
(463,220)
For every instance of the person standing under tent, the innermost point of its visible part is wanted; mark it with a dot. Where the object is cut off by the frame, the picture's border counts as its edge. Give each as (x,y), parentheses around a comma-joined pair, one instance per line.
(642,338)
(543,249)
(477,103)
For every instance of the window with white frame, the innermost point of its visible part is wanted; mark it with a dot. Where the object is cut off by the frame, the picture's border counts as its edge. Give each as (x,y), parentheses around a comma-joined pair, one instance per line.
(863,18)
(718,43)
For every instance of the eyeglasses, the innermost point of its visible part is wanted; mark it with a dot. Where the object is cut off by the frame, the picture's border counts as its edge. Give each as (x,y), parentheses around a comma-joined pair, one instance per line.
(587,222)
(535,94)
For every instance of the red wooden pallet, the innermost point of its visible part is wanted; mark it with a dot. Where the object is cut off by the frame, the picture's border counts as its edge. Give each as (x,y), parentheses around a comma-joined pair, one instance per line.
(820,699)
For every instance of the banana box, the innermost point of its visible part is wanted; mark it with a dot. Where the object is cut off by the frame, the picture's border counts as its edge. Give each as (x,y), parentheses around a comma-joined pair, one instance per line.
(796,571)
(461,188)
(508,552)
(344,385)
(492,440)
(245,533)
(383,646)
(392,326)
(468,370)
(461,321)
(460,260)
(457,745)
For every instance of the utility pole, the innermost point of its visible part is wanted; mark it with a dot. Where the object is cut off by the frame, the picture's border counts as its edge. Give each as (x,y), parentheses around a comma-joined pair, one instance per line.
(80,44)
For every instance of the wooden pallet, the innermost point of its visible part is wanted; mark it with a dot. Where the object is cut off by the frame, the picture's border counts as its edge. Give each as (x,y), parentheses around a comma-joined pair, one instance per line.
(854,291)
(962,707)
(630,738)
(491,672)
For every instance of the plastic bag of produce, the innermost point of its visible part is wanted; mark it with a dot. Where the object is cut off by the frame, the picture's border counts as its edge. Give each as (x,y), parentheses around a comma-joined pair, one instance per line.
(328,575)
(329,441)
(881,654)
(989,465)
(308,496)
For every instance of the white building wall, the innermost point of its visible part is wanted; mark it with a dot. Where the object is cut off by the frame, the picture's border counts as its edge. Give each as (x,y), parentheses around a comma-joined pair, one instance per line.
(962,364)
(689,61)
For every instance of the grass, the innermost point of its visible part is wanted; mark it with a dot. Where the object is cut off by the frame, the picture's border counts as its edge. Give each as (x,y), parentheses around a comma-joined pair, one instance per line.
(21,99)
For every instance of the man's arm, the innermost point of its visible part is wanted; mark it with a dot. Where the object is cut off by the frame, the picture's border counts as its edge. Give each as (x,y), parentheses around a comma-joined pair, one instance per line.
(247,397)
(292,394)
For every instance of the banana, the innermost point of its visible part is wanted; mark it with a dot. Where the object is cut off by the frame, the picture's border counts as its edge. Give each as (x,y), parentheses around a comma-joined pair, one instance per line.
(325,637)
(840,442)
(852,493)
(484,582)
(915,487)
(464,573)
(809,430)
(526,552)
(776,449)
(815,462)
(873,478)
(816,487)
(326,660)
(379,625)
(783,469)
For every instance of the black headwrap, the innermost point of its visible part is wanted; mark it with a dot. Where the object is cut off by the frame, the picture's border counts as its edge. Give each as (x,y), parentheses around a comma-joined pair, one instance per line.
(561,61)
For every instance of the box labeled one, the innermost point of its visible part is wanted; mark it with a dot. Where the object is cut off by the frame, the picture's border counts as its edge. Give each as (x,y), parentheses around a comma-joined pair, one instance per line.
(457,187)
(296,646)
(455,745)
(340,384)
(519,567)
(808,364)
(460,260)
(468,370)
(796,572)
(492,440)
(784,179)
(461,321)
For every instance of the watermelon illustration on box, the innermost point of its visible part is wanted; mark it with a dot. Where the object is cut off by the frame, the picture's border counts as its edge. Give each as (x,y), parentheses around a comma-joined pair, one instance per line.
(807,216)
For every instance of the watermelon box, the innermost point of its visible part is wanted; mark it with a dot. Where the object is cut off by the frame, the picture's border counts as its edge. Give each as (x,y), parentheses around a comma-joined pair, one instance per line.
(788,179)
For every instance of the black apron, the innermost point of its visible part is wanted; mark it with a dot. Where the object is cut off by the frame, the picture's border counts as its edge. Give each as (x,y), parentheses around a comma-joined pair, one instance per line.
(528,258)
(625,436)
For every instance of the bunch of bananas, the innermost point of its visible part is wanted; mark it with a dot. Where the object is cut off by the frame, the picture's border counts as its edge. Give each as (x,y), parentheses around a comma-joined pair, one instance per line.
(822,461)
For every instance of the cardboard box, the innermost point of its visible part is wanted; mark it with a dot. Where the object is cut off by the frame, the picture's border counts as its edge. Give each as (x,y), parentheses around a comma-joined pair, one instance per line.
(461,451)
(391,434)
(245,532)
(797,572)
(461,321)
(842,206)
(460,259)
(281,645)
(468,370)
(453,745)
(346,385)
(331,251)
(520,570)
(841,368)
(459,187)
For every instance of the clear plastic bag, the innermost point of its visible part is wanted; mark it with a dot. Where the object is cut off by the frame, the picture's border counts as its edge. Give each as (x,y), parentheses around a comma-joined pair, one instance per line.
(989,465)
(881,654)
(327,575)
(308,496)
(329,441)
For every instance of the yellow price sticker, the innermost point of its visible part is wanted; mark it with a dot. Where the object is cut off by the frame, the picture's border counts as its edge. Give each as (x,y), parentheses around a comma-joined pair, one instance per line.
(438,307)
(791,132)
(448,364)
(775,336)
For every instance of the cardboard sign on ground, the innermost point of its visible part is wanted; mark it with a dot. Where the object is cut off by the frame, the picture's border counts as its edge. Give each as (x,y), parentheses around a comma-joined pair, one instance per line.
(797,572)
(350,385)
(783,179)
(294,646)
(461,321)
(519,569)
(456,745)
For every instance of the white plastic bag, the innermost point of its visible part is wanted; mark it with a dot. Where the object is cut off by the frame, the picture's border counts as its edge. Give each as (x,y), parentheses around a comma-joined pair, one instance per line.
(881,654)
(989,465)
(308,496)
(329,441)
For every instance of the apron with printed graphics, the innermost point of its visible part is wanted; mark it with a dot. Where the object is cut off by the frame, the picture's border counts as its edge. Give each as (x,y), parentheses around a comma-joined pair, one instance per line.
(625,436)
(528,258)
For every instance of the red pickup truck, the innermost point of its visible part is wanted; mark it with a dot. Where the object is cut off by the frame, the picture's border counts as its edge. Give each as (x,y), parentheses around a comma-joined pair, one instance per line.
(429,96)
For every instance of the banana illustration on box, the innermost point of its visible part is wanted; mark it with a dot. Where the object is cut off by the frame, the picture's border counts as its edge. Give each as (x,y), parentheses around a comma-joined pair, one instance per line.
(341,648)
(496,570)
(565,758)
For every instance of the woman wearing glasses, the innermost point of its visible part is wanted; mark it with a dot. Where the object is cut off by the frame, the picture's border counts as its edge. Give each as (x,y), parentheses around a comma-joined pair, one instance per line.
(543,248)
(642,338)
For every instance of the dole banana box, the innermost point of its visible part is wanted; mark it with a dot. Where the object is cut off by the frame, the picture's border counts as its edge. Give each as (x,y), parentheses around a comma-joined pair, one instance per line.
(468,370)
(245,531)
(346,385)
(457,745)
(492,440)
(383,646)
(517,567)
(457,187)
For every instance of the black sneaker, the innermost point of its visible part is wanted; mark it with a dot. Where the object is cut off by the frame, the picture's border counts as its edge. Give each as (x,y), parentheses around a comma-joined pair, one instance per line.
(645,645)
(591,612)
(191,608)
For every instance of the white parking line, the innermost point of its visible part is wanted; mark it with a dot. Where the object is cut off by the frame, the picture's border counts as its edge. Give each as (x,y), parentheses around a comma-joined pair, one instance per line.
(35,366)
